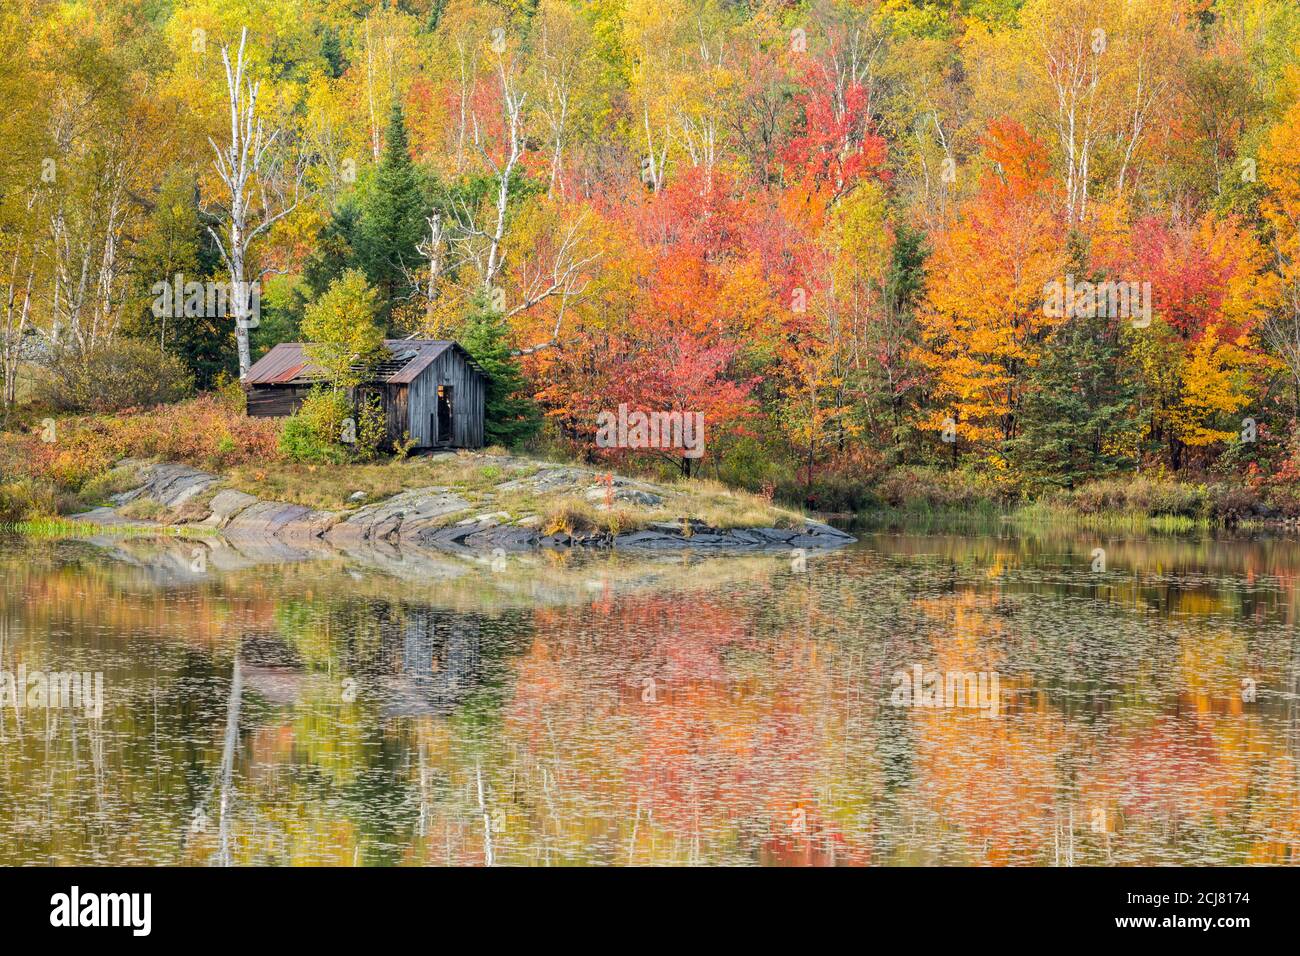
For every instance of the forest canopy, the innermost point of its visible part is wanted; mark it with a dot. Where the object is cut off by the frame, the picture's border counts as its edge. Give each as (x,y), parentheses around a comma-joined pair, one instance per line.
(1045,241)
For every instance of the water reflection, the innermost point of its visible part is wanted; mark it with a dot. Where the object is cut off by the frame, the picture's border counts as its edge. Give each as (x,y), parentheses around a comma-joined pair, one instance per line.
(273,706)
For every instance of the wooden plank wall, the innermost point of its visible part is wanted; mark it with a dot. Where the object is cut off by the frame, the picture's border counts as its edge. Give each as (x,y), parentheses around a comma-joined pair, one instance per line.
(395,414)
(421,396)
(469,393)
(409,408)
(274,401)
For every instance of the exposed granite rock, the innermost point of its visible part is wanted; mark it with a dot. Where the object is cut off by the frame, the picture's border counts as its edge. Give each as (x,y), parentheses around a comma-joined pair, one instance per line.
(652,541)
(601,494)
(493,518)
(427,517)
(409,513)
(226,504)
(505,537)
(171,485)
(109,518)
(818,528)
(549,479)
(273,518)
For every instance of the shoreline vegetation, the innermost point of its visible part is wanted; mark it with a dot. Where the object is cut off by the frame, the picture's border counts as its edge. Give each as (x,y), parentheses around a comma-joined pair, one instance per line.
(1031,259)
(204,463)
(55,471)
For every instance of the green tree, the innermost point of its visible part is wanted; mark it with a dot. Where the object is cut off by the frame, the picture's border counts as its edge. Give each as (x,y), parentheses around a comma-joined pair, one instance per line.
(175,243)
(1077,421)
(284,301)
(334,251)
(344,332)
(1078,418)
(512,415)
(392,220)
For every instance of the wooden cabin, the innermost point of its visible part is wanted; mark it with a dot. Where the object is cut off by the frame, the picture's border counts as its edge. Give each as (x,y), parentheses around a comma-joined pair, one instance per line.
(432,391)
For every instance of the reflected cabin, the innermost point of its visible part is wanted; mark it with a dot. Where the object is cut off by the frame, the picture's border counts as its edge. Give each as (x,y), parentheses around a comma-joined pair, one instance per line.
(432,391)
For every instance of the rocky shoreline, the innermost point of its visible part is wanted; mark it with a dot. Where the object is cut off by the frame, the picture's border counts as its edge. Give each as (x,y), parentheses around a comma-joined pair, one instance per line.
(427,517)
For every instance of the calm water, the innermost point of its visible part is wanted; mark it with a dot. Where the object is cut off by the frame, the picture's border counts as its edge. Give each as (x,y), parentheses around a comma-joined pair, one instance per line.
(263,706)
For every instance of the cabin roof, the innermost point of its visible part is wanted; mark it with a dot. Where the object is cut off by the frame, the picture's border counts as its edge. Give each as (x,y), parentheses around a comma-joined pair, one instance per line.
(288,364)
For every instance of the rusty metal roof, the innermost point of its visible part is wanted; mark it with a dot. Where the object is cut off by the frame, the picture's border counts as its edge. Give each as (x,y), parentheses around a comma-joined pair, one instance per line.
(279,366)
(288,364)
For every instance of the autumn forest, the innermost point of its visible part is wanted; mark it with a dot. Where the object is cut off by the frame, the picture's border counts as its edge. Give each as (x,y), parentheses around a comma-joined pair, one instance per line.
(1022,246)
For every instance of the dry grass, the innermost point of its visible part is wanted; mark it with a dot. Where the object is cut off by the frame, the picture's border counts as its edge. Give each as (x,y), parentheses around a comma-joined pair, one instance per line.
(721,507)
(477,477)
(145,509)
(328,487)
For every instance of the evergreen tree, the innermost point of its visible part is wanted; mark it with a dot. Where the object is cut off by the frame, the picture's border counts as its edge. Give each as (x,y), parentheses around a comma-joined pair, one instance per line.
(175,243)
(335,249)
(331,51)
(436,9)
(903,287)
(512,415)
(392,220)
(1076,421)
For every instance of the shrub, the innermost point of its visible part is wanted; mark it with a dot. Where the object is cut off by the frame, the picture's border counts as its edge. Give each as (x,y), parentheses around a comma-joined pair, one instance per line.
(313,433)
(125,373)
(570,516)
(1139,495)
(324,411)
(371,429)
(230,392)
(25,499)
(1236,501)
(203,432)
(928,488)
(101,488)
(299,441)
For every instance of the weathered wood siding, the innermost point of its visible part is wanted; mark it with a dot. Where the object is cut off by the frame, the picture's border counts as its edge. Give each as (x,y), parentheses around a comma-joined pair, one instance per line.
(468,395)
(408,409)
(395,411)
(421,400)
(274,401)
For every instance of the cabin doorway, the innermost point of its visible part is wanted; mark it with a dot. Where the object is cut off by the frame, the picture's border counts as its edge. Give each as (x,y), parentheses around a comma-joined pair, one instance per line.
(442,418)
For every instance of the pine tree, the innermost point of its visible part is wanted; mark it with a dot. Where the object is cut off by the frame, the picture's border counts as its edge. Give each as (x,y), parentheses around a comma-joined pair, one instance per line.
(392,219)
(512,416)
(1076,421)
(331,51)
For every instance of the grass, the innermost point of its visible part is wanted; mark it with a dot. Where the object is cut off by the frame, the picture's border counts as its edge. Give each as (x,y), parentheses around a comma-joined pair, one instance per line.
(329,487)
(72,528)
(99,490)
(986,518)
(52,528)
(719,506)
(478,479)
(145,509)
(1112,519)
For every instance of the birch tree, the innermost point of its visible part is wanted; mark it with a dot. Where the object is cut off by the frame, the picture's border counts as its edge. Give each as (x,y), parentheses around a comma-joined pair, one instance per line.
(258,191)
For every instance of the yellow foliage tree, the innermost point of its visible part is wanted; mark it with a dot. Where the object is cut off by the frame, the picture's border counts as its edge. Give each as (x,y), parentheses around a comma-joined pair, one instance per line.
(983,321)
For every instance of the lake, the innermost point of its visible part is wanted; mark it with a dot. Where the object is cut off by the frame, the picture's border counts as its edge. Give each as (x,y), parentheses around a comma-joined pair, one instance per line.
(999,696)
